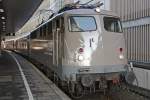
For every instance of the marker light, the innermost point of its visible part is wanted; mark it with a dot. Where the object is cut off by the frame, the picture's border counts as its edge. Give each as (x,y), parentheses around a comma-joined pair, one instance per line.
(3,22)
(81,50)
(80,58)
(2,17)
(97,9)
(1,10)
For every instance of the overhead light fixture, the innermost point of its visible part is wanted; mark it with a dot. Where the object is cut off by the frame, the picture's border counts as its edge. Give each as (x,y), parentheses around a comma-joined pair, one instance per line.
(3,22)
(2,17)
(98,10)
(1,10)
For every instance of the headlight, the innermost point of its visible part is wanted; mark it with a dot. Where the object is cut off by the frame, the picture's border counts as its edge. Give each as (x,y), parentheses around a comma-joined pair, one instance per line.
(121,56)
(80,58)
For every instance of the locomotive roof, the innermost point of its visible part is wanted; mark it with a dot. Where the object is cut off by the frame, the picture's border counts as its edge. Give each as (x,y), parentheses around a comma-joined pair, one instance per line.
(90,12)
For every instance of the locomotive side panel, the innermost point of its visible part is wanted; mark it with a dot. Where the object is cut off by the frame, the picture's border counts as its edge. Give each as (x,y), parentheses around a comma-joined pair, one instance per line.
(39,46)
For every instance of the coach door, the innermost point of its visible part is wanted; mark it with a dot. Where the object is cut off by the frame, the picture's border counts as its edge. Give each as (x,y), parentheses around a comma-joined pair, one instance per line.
(58,41)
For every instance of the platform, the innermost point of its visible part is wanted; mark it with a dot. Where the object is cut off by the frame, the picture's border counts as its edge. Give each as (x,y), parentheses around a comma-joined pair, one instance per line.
(20,80)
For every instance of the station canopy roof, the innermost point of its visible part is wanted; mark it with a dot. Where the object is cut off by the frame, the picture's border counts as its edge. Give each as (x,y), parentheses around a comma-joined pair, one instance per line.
(15,13)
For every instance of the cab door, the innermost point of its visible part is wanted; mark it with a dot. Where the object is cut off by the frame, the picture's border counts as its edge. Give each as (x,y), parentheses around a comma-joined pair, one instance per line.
(55,44)
(58,42)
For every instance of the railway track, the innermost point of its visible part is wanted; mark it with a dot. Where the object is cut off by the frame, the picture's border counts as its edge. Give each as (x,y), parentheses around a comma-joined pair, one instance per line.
(143,93)
(123,92)
(128,92)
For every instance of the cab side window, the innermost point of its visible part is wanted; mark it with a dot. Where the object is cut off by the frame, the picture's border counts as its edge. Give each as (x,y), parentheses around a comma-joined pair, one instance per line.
(112,24)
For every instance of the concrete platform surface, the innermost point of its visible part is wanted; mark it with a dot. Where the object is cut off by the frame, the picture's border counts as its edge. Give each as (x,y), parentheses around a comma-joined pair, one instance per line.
(20,80)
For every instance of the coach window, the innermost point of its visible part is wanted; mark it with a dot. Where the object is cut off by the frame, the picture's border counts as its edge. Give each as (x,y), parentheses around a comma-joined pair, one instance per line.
(57,23)
(112,24)
(44,31)
(40,32)
(53,26)
(50,28)
(50,33)
(33,35)
(62,24)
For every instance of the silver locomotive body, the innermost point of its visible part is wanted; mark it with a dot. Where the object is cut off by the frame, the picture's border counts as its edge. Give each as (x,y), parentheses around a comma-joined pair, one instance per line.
(94,46)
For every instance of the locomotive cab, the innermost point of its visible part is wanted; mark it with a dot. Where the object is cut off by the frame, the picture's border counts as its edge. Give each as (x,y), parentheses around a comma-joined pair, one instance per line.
(94,47)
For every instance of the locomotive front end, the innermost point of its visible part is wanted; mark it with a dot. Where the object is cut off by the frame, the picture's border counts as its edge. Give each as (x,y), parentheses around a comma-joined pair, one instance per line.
(95,49)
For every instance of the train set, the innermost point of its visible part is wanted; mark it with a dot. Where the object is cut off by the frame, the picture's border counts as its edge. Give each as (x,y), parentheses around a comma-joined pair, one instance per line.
(81,46)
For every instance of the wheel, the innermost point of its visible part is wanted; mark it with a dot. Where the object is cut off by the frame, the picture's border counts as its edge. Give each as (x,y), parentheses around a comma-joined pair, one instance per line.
(76,90)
